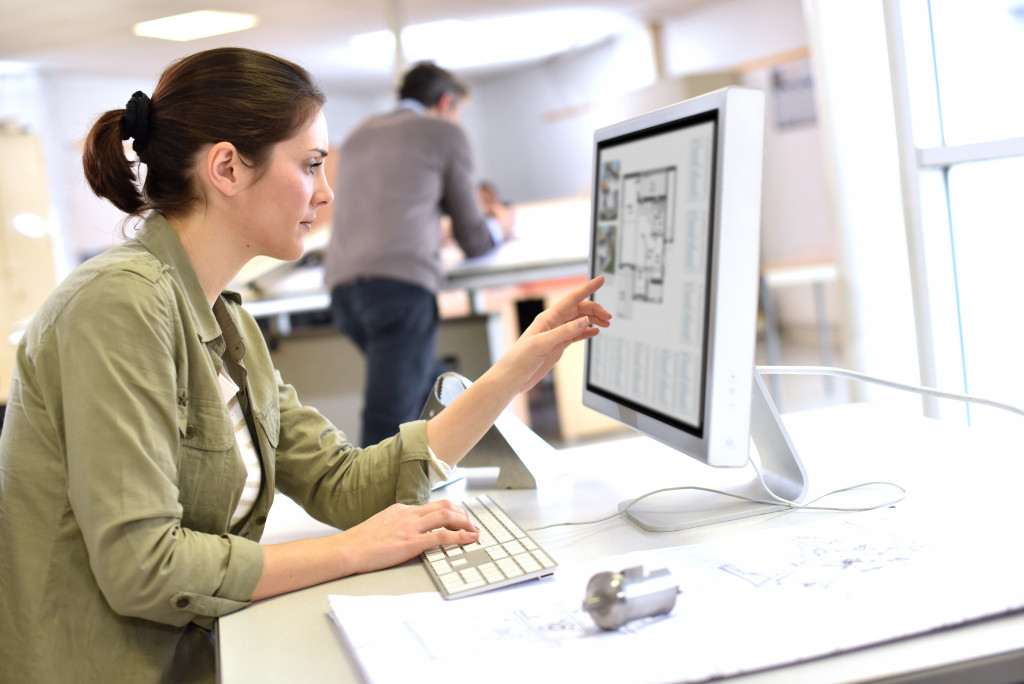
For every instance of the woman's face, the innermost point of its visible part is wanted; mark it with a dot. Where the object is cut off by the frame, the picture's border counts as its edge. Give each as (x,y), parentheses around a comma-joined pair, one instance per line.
(282,202)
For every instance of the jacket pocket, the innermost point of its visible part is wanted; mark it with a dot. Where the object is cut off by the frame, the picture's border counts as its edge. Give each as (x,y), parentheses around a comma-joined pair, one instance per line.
(210,473)
(269,422)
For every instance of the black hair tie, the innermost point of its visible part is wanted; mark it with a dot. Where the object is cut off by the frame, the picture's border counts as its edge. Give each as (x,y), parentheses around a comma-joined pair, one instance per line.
(136,121)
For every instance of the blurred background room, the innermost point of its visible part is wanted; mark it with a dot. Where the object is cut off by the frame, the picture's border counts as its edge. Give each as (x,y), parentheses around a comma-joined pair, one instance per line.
(893,181)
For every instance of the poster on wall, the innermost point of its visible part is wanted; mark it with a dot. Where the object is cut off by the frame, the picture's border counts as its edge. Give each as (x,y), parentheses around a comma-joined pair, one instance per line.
(792,95)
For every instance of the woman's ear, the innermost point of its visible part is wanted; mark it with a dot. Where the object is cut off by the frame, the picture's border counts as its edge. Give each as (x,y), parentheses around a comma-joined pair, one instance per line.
(223,168)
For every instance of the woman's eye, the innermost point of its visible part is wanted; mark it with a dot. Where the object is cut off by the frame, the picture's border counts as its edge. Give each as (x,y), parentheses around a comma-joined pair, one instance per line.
(312,167)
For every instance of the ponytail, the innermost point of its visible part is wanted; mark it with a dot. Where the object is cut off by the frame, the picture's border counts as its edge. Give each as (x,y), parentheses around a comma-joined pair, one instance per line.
(110,173)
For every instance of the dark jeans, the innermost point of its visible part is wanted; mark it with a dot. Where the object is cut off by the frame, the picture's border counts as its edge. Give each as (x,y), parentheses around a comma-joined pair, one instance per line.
(395,326)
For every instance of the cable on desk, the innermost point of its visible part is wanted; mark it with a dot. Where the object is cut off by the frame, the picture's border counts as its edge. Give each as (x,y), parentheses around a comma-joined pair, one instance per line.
(782,503)
(854,375)
(778,502)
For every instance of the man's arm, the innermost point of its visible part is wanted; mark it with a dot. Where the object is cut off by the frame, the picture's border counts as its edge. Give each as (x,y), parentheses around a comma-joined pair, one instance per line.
(469,225)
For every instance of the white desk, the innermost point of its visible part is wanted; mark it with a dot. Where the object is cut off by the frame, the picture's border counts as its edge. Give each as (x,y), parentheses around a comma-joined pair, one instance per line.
(958,478)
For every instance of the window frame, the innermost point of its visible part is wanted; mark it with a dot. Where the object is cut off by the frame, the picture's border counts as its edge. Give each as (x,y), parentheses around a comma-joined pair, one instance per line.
(929,228)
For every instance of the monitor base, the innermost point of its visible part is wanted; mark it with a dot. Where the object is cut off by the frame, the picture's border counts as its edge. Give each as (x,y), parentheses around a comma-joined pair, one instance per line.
(780,477)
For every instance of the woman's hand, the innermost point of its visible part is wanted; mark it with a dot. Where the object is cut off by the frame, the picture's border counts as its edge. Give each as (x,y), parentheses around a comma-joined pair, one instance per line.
(390,537)
(454,431)
(569,320)
(401,532)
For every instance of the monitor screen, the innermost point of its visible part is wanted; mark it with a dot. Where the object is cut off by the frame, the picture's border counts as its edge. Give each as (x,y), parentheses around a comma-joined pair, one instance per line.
(675,232)
(653,224)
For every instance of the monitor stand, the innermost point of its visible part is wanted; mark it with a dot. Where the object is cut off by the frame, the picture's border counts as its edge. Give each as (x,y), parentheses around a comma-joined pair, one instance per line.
(782,475)
(520,456)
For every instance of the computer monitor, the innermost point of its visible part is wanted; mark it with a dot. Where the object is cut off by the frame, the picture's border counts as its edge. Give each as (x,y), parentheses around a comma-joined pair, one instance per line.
(675,232)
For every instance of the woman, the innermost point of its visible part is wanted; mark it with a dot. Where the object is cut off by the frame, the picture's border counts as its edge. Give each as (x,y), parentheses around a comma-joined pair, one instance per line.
(147,430)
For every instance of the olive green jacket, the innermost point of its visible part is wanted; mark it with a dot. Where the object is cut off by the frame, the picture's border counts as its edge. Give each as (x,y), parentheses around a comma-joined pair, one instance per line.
(119,472)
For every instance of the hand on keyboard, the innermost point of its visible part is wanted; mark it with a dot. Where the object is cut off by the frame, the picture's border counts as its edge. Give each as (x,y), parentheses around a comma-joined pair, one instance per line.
(504,555)
(401,532)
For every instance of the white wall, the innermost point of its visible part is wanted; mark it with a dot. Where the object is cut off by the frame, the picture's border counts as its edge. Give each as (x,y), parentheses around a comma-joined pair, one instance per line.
(724,33)
(862,168)
(533,128)
(344,110)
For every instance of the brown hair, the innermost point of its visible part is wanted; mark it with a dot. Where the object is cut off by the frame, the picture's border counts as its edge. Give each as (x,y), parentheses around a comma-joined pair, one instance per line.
(248,98)
(426,82)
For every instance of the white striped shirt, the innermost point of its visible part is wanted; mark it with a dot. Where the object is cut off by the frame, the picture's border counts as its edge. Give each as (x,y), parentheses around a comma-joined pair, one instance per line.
(253,468)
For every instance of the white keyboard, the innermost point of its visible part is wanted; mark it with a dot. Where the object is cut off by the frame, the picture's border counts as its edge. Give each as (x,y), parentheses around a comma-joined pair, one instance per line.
(504,555)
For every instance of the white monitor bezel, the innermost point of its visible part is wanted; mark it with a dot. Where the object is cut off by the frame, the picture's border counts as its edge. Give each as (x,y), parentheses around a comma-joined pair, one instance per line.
(724,437)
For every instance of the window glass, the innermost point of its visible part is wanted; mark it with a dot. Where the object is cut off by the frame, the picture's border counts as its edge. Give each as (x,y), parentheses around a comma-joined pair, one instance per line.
(979,54)
(987,212)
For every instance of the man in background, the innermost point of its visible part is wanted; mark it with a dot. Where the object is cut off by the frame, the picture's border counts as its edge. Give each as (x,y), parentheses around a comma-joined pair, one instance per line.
(398,174)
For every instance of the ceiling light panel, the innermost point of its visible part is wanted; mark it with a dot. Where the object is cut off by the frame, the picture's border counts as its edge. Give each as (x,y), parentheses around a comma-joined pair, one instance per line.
(195,25)
(457,44)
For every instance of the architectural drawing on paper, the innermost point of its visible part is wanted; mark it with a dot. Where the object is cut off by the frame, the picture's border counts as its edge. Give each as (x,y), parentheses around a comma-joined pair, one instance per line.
(818,561)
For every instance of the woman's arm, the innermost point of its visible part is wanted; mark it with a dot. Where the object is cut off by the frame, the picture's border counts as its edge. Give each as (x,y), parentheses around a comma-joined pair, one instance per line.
(454,431)
(401,532)
(393,536)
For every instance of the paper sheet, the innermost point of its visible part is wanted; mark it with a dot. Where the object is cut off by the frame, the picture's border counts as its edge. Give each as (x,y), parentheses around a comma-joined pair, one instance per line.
(755,601)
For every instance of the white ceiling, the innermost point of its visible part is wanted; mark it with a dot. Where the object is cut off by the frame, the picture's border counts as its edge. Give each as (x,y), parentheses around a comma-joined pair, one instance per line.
(95,36)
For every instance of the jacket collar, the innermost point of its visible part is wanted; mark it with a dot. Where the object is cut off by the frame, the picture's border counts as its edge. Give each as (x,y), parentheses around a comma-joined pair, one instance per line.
(159,238)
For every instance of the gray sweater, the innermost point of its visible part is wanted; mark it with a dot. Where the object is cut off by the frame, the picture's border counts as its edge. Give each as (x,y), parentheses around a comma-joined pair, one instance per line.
(398,173)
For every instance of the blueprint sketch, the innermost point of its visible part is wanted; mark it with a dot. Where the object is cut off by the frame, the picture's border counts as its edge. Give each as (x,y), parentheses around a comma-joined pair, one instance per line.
(648,229)
(638,252)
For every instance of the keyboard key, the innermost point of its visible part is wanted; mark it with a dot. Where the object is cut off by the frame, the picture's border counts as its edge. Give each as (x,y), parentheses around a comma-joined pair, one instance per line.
(503,555)
(509,567)
(497,552)
(491,572)
(544,559)
(514,548)
(452,581)
(527,562)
